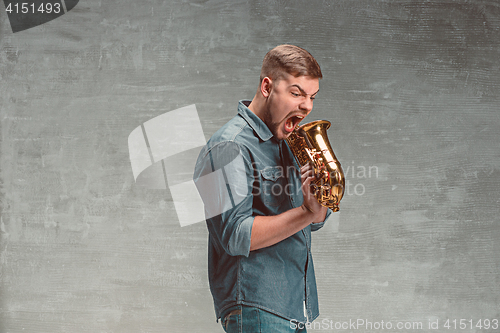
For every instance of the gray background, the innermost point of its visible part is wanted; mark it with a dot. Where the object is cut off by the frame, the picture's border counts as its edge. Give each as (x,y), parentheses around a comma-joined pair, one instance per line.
(412,90)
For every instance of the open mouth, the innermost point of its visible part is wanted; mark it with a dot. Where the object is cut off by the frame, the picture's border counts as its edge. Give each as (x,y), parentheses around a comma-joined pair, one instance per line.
(292,122)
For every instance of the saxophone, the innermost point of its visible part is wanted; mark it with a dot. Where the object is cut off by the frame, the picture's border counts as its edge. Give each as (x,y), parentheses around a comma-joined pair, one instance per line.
(309,144)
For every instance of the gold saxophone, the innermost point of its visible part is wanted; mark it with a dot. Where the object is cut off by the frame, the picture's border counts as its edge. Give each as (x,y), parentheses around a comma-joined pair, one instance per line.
(309,144)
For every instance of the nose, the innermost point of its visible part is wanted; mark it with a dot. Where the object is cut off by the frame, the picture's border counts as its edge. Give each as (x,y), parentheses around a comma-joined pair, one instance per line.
(306,105)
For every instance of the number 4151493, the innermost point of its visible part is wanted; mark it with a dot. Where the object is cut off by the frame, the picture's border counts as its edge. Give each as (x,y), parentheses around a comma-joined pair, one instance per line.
(464,324)
(30,8)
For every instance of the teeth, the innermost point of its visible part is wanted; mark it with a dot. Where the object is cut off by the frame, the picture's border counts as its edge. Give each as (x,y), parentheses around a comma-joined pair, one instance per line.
(292,122)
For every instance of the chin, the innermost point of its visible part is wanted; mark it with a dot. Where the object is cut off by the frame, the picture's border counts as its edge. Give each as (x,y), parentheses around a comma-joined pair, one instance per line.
(284,136)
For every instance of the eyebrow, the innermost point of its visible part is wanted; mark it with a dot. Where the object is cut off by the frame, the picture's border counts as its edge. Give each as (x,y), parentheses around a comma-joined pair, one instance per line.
(302,90)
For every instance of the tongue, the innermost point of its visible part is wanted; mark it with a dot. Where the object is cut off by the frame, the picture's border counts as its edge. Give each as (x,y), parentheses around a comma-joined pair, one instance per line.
(289,125)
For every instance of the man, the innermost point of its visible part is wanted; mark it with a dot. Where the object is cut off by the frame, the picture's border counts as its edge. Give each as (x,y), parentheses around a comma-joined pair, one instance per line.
(260,210)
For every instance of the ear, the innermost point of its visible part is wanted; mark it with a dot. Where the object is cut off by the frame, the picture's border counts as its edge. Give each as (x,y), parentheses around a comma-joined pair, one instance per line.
(266,87)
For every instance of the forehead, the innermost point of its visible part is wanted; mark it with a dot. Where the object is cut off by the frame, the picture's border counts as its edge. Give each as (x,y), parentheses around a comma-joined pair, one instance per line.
(306,83)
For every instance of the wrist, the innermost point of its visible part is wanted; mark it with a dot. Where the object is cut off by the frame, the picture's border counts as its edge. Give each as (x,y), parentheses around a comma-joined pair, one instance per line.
(311,215)
(317,216)
(306,209)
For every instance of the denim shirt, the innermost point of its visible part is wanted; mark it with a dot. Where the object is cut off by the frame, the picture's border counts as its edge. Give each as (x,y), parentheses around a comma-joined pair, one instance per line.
(279,278)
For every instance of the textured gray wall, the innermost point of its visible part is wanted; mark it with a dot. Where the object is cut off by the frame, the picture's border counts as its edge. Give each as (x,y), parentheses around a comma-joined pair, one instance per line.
(412,90)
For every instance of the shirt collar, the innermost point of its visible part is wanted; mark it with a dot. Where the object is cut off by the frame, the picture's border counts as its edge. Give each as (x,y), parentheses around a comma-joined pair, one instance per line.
(254,121)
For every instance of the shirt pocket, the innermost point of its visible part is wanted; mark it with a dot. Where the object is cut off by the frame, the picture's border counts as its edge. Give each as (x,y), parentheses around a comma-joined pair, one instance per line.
(273,186)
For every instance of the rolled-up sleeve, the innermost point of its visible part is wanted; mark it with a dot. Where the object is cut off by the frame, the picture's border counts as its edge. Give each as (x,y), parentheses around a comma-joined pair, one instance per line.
(224,180)
(319,225)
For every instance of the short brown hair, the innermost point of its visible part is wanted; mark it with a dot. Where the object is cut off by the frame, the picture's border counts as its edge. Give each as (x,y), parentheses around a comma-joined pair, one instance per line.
(289,59)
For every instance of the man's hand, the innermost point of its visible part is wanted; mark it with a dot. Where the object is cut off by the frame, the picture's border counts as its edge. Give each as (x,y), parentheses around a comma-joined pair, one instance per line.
(310,203)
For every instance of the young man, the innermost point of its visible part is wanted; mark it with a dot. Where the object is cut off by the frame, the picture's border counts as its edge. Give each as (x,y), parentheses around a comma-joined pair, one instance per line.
(259,206)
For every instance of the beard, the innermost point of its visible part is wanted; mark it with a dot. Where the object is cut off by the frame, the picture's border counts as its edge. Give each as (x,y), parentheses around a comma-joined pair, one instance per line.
(274,125)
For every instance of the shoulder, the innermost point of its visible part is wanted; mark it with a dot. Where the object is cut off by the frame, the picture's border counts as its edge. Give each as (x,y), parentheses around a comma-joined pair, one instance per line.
(236,132)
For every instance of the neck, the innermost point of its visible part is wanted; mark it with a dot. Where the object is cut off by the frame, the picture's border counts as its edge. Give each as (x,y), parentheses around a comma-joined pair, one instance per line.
(258,106)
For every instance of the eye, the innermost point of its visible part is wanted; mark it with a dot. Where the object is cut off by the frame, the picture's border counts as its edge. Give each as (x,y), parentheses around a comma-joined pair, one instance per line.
(295,94)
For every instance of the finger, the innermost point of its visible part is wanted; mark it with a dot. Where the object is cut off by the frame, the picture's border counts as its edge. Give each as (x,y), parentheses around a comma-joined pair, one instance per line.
(306,182)
(305,167)
(306,186)
(307,174)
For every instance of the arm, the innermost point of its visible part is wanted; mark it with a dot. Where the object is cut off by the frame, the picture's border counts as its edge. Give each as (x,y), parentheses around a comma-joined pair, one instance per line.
(269,230)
